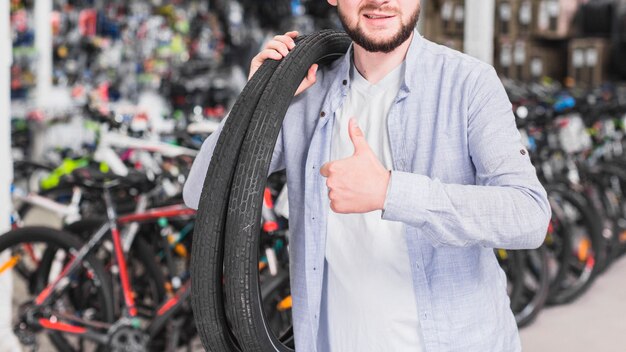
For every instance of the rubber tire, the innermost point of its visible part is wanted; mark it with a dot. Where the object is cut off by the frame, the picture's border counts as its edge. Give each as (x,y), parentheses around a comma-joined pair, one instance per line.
(207,251)
(616,168)
(275,289)
(592,222)
(535,263)
(244,309)
(559,247)
(512,266)
(208,243)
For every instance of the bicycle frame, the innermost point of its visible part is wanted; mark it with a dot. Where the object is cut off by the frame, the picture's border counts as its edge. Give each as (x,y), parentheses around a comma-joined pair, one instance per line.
(66,212)
(166,309)
(109,140)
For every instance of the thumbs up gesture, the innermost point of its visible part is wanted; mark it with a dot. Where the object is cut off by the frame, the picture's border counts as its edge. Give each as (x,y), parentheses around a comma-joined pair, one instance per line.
(357,184)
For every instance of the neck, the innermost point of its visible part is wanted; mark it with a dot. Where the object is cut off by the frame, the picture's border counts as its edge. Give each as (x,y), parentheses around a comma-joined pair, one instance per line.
(375,66)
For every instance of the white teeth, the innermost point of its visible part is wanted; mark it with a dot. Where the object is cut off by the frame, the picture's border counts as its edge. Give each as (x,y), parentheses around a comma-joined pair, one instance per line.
(375,17)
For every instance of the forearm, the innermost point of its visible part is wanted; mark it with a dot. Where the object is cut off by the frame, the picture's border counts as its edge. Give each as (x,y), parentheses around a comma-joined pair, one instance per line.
(511,216)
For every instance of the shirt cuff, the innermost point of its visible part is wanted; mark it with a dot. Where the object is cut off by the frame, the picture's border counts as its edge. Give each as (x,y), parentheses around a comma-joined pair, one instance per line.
(387,193)
(407,198)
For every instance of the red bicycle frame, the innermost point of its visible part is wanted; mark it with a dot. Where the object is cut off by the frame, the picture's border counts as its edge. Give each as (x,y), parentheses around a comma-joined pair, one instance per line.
(175,211)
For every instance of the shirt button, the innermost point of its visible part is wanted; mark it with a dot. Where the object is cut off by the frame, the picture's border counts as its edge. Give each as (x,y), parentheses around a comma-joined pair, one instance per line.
(314,269)
(322,114)
(425,316)
(345,82)
(523,152)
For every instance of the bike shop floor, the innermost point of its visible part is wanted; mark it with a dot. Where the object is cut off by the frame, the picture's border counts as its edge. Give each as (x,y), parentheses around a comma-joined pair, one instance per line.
(596,321)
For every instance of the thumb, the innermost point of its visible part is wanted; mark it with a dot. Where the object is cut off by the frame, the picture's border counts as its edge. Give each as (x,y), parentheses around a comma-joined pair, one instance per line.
(357,136)
(324,170)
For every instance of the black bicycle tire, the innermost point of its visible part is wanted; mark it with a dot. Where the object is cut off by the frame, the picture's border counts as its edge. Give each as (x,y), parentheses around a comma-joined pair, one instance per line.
(244,211)
(562,232)
(527,313)
(560,295)
(208,240)
(512,266)
(614,214)
(616,168)
(273,291)
(64,240)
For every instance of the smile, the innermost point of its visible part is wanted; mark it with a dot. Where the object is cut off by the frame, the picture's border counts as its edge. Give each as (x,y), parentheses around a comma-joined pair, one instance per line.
(376,17)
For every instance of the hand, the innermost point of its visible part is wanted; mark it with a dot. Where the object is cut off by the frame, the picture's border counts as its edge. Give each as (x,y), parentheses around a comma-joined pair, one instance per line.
(278,48)
(357,184)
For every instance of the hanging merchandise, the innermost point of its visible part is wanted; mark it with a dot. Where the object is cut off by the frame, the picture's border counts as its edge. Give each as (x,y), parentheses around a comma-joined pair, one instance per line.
(87,22)
(618,40)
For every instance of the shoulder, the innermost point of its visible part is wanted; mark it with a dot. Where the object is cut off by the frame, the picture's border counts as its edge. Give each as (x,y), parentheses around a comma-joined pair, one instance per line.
(453,68)
(331,71)
(437,54)
(327,75)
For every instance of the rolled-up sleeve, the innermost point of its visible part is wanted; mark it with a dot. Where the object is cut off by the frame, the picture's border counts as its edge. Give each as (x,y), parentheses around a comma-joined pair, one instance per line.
(506,208)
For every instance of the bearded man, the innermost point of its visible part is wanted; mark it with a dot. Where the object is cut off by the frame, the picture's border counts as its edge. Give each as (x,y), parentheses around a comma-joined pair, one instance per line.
(405,170)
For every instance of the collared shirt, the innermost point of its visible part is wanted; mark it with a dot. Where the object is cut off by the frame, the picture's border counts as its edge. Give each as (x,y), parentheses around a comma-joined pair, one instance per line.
(462,184)
(368,303)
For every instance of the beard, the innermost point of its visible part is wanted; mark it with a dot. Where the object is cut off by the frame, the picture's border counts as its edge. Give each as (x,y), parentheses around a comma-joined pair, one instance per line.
(360,38)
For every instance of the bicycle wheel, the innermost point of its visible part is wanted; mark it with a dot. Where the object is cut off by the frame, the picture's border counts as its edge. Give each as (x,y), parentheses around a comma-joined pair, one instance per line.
(535,285)
(146,271)
(603,185)
(586,241)
(615,183)
(85,301)
(512,264)
(558,246)
(276,300)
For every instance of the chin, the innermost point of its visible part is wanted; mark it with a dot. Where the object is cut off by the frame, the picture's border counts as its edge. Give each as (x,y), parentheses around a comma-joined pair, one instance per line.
(379,39)
(382,35)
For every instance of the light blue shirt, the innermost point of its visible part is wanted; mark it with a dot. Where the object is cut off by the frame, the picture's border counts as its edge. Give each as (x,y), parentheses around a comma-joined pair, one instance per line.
(462,183)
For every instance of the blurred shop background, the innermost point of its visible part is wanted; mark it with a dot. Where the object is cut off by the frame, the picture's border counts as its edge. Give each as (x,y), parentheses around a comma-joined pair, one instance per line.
(90,88)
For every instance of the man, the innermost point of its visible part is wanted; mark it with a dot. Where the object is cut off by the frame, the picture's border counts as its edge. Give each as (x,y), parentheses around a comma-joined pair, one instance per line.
(405,169)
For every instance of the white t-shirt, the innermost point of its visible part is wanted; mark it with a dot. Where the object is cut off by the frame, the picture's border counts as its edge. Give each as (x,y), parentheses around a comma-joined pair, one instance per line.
(368,302)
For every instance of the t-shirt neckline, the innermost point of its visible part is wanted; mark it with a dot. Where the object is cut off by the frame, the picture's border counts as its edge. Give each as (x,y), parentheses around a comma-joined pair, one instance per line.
(390,81)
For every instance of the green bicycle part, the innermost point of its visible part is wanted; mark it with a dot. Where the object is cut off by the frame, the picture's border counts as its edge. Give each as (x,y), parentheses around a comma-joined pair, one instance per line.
(66,167)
